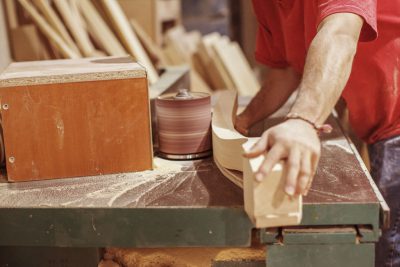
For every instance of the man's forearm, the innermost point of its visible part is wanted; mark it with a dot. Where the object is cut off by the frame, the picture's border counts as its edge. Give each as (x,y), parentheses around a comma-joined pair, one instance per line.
(277,88)
(328,66)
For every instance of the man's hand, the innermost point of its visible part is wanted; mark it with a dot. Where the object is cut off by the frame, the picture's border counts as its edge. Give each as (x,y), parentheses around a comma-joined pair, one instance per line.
(242,124)
(296,142)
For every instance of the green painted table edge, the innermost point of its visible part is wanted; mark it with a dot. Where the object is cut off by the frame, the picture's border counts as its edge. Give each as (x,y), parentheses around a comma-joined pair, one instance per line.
(160,226)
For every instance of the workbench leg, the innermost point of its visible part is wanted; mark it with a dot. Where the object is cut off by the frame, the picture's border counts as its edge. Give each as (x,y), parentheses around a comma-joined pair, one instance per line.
(317,255)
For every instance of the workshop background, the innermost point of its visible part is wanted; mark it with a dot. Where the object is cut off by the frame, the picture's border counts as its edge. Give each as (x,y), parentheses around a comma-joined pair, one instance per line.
(208,37)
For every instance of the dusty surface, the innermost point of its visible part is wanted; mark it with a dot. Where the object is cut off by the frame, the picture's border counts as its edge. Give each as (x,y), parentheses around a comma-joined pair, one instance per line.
(339,179)
(183,257)
(171,184)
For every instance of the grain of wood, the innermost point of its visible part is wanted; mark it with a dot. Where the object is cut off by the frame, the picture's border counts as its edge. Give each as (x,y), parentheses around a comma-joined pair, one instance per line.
(218,75)
(75,27)
(53,19)
(223,54)
(11,12)
(245,78)
(154,51)
(129,38)
(48,31)
(100,30)
(27,34)
(99,107)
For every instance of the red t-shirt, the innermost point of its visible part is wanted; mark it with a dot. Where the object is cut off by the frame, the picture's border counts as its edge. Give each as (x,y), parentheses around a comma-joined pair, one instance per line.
(287,27)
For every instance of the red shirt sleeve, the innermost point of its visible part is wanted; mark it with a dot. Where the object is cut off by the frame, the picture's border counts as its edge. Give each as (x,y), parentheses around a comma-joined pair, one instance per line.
(364,8)
(267,52)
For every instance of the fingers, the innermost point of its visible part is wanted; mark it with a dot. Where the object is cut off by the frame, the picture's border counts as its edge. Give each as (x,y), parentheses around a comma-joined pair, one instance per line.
(305,174)
(259,148)
(293,167)
(276,153)
(314,165)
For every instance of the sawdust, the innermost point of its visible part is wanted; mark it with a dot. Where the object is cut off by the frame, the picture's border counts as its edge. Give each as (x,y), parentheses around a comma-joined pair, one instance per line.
(115,190)
(341,143)
(108,263)
(183,257)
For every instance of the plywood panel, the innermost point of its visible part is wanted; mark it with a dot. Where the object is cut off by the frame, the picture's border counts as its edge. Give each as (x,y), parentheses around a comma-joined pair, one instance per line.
(76,129)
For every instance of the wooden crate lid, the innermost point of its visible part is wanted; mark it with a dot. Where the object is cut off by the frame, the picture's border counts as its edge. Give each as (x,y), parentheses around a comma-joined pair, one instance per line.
(70,70)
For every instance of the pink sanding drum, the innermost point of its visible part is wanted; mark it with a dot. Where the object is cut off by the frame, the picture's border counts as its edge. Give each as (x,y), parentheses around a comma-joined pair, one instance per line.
(184,125)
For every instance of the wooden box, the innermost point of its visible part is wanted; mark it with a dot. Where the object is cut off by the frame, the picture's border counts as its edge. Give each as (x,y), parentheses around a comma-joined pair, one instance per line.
(80,117)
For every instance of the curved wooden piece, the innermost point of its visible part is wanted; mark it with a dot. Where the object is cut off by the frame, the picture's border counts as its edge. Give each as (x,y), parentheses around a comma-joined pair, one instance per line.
(227,142)
(265,202)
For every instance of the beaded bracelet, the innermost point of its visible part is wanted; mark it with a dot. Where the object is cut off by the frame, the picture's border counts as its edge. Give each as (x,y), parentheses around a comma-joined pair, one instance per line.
(324,128)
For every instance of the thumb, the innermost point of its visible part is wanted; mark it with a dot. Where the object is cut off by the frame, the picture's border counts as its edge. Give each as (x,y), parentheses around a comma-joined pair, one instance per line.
(258,148)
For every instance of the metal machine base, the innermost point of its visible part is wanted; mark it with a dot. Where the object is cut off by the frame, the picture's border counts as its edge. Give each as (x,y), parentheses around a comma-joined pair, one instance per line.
(186,157)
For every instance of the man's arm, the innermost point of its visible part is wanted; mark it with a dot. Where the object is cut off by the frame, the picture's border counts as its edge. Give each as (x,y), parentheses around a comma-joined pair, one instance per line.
(327,69)
(277,88)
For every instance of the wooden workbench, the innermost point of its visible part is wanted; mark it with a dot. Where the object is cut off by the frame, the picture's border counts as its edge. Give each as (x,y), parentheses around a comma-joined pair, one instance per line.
(191,203)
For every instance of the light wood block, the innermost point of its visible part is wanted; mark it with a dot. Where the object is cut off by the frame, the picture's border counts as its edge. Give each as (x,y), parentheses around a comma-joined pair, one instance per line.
(70,118)
(266,202)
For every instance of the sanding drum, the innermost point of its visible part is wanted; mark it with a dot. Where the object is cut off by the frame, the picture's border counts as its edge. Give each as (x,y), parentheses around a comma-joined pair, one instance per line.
(184,125)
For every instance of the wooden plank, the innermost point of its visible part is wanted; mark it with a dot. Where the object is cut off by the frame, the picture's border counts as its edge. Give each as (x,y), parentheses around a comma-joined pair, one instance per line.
(236,66)
(23,35)
(247,82)
(143,11)
(5,58)
(197,84)
(155,16)
(100,30)
(48,31)
(154,51)
(198,66)
(218,75)
(11,11)
(55,22)
(105,130)
(75,27)
(129,37)
(175,37)
(172,56)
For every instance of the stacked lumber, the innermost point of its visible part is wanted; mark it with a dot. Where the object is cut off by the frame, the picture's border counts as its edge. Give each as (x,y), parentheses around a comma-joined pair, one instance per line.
(89,28)
(215,59)
(73,29)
